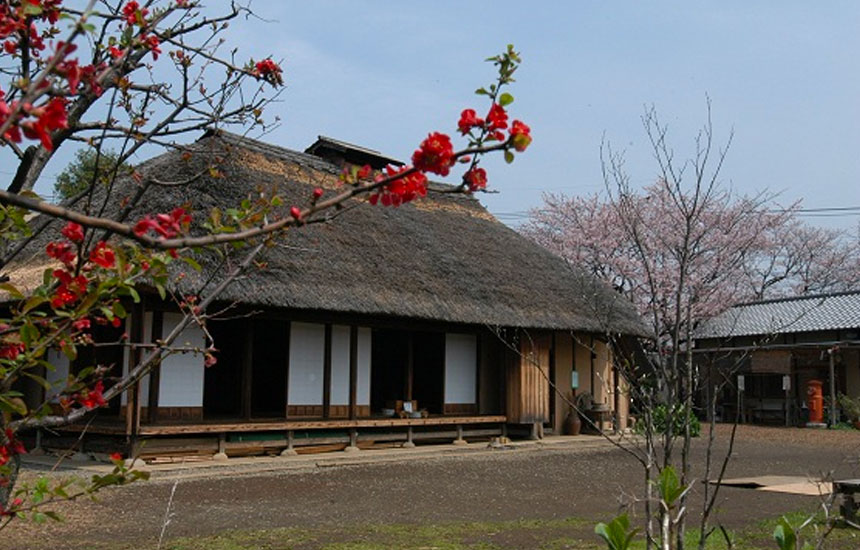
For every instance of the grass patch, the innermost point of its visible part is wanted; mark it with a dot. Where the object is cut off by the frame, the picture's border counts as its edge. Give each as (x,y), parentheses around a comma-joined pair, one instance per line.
(553,534)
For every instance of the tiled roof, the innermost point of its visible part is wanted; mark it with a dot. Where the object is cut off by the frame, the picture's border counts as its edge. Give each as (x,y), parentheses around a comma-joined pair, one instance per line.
(837,311)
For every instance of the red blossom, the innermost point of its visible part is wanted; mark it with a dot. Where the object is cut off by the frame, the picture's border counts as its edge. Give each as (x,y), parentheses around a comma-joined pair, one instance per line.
(82,324)
(476,178)
(61,251)
(51,116)
(133,14)
(269,71)
(103,255)
(436,154)
(520,136)
(497,118)
(152,43)
(92,398)
(296,212)
(11,350)
(402,189)
(74,232)
(318,192)
(116,457)
(166,225)
(469,120)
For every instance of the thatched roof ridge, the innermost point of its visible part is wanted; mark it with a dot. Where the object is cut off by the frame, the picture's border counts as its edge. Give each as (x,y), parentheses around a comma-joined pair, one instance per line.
(442,258)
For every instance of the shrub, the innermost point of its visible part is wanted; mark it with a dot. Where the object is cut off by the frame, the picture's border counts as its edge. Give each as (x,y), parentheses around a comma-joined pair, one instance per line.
(663,415)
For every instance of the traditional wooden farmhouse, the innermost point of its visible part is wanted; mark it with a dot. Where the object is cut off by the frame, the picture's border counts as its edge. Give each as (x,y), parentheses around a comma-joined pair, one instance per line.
(431,320)
(771,351)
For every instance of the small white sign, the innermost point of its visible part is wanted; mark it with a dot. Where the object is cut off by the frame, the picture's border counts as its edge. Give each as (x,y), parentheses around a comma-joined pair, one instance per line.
(407,406)
(574,380)
(786,382)
(741,386)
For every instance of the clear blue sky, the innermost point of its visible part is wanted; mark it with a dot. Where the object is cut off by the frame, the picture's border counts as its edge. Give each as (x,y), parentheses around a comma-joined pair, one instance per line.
(784,75)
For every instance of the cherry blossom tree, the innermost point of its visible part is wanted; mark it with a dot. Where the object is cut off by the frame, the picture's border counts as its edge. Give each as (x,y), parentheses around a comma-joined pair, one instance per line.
(136,77)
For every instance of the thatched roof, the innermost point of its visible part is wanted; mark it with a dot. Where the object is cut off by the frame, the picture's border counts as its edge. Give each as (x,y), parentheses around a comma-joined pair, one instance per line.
(441,258)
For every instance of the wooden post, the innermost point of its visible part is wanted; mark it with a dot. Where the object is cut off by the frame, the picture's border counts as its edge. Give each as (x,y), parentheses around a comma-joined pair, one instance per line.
(833,419)
(155,373)
(289,340)
(133,395)
(353,372)
(289,451)
(460,440)
(409,443)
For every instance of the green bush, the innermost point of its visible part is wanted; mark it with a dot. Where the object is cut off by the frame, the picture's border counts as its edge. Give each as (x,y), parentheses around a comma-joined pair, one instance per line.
(663,415)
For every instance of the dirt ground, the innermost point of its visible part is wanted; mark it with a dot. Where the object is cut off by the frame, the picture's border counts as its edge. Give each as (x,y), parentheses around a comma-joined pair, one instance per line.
(551,485)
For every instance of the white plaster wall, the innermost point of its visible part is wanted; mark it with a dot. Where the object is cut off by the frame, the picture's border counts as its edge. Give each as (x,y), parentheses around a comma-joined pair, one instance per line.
(339,365)
(307,351)
(57,377)
(181,379)
(461,364)
(363,386)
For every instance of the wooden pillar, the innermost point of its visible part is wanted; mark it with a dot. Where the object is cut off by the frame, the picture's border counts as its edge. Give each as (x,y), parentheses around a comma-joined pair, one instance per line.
(155,372)
(132,416)
(327,373)
(353,372)
(833,418)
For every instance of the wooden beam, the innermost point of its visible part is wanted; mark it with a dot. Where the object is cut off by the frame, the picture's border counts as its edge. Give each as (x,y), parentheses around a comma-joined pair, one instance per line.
(353,371)
(155,373)
(327,373)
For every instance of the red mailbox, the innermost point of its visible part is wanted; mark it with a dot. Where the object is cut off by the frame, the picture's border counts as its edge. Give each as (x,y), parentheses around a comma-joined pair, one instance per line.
(815,401)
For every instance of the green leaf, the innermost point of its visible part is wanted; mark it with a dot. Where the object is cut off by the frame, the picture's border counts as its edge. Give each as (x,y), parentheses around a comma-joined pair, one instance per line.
(784,535)
(119,310)
(32,9)
(13,405)
(509,157)
(12,290)
(134,295)
(617,533)
(482,91)
(506,99)
(670,486)
(192,262)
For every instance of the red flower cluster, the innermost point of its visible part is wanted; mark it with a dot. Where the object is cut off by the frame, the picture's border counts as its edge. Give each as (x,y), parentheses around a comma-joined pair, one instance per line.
(166,225)
(134,15)
(497,120)
(103,255)
(49,117)
(436,154)
(269,71)
(476,179)
(402,189)
(469,120)
(520,136)
(61,251)
(69,290)
(74,232)
(91,398)
(10,448)
(11,350)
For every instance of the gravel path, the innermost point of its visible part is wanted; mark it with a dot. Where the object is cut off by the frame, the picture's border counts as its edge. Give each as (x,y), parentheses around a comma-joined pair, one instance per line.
(540,484)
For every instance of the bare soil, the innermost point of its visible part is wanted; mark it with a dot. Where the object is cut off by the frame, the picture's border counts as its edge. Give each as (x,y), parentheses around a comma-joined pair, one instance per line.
(565,489)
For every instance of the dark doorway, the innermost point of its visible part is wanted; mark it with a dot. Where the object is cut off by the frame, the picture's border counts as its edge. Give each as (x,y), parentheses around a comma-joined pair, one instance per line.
(389,361)
(270,356)
(222,382)
(104,356)
(428,374)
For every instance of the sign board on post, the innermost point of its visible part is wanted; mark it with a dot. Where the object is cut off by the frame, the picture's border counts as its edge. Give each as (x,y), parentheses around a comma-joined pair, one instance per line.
(574,380)
(786,382)
(741,385)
